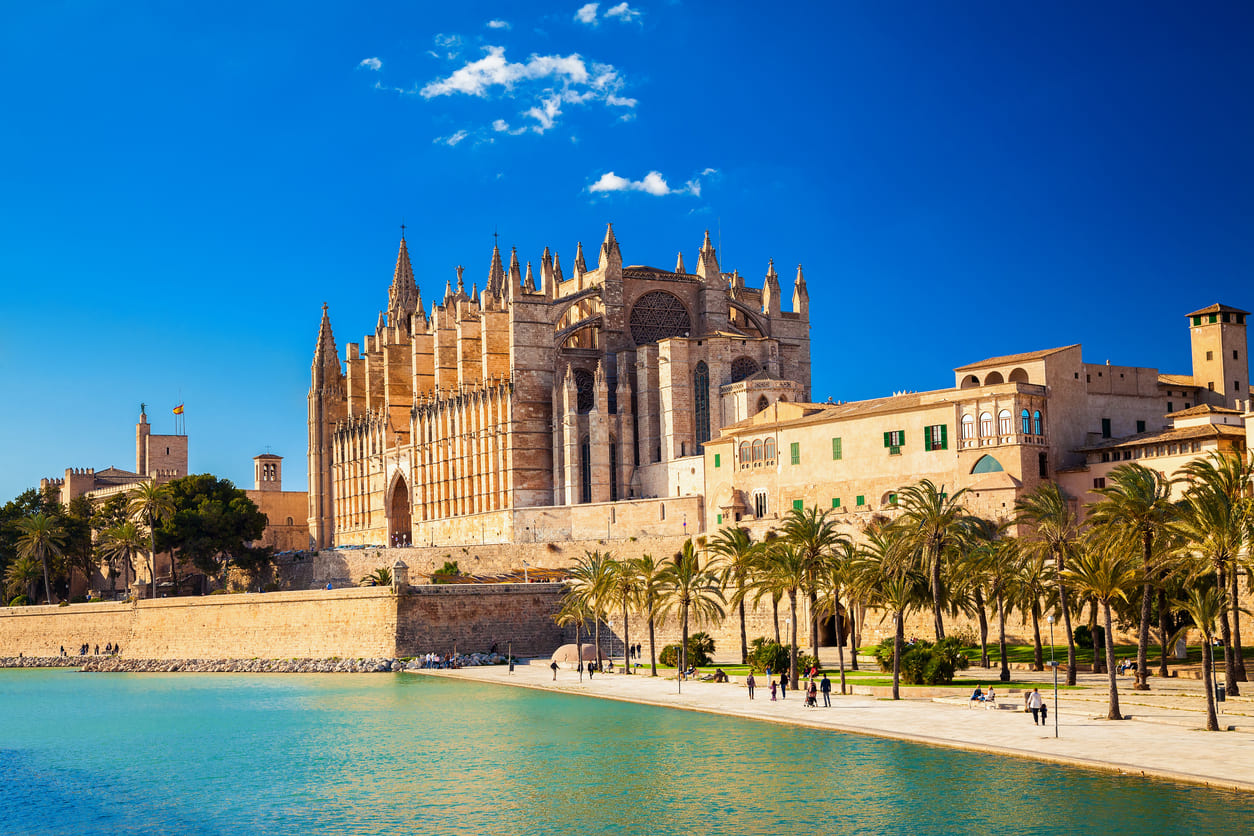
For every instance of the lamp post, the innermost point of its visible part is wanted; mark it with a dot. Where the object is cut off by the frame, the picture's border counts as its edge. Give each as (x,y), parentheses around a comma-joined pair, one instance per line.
(1053,663)
(525,565)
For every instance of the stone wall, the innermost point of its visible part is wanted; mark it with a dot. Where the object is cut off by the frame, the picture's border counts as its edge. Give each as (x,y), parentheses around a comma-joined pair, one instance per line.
(473,619)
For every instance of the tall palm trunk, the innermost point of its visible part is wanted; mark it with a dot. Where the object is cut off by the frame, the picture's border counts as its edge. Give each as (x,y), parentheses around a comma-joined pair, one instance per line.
(596,637)
(683,648)
(1038,652)
(899,638)
(1238,655)
(626,636)
(1142,633)
(1164,630)
(1097,645)
(1113,713)
(579,650)
(1063,604)
(792,647)
(936,596)
(1208,678)
(855,614)
(1225,632)
(840,641)
(775,616)
(152,557)
(43,558)
(744,636)
(979,606)
(1004,676)
(652,652)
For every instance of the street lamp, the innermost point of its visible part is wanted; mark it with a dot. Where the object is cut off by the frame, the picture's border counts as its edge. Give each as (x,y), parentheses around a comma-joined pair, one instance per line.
(1053,663)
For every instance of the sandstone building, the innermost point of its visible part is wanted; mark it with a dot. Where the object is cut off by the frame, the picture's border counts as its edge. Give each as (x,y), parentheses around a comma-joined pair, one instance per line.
(545,406)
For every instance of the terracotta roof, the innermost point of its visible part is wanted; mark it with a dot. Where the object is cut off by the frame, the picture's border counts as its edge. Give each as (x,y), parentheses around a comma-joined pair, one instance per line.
(1204,409)
(1217,308)
(1180,434)
(1176,379)
(1015,358)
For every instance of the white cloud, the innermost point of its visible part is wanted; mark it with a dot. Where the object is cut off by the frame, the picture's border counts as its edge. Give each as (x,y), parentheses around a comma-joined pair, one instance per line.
(623,12)
(370,64)
(587,14)
(446,46)
(653,183)
(499,24)
(451,139)
(544,82)
(708,171)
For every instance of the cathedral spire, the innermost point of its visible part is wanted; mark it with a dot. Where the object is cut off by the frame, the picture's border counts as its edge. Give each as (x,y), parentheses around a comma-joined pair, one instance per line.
(581,266)
(496,274)
(800,296)
(557,269)
(403,295)
(609,249)
(679,264)
(707,267)
(529,283)
(325,353)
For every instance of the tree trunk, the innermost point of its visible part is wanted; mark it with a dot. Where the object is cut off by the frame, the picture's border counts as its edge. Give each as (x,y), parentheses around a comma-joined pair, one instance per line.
(652,652)
(1113,713)
(792,649)
(43,558)
(626,636)
(683,647)
(1225,633)
(1064,605)
(744,638)
(579,650)
(854,634)
(979,606)
(898,639)
(1038,652)
(1208,677)
(1004,676)
(936,597)
(1097,647)
(596,637)
(1238,655)
(775,616)
(152,556)
(1142,640)
(840,641)
(814,625)
(1164,629)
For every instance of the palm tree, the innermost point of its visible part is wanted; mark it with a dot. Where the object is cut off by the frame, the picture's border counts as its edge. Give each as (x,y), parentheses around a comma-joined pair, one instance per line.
(1054,531)
(20,578)
(1137,500)
(151,503)
(1102,571)
(833,582)
(934,520)
(1027,591)
(782,569)
(40,535)
(119,544)
(1205,606)
(650,574)
(590,579)
(690,590)
(1215,521)
(815,537)
(736,550)
(882,575)
(575,611)
(624,589)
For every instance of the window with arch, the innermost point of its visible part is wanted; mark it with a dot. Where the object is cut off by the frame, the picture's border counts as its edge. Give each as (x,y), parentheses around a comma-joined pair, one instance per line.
(613,471)
(968,426)
(701,401)
(763,403)
(768,449)
(759,504)
(744,452)
(1038,423)
(986,424)
(585,470)
(585,391)
(658,315)
(743,367)
(1026,419)
(757,451)
(1004,423)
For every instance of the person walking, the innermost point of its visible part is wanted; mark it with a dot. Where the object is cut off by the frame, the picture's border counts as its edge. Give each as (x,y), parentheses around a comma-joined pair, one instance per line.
(783,686)
(772,690)
(554,667)
(750,682)
(1035,705)
(825,685)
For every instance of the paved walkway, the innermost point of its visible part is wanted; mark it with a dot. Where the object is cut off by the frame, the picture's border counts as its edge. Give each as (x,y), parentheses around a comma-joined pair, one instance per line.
(1165,739)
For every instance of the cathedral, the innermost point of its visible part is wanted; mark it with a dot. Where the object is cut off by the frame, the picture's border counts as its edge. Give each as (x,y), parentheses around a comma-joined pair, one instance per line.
(545,406)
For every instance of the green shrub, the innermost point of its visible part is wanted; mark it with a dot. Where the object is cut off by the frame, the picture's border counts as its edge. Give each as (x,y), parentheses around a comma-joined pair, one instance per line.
(925,663)
(1083,638)
(767,653)
(64,604)
(700,649)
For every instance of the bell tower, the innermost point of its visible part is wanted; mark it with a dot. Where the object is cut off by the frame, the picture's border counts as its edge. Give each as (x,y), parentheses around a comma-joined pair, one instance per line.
(1220,365)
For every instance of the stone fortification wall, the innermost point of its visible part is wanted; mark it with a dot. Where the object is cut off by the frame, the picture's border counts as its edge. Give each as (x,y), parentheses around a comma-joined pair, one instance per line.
(473,619)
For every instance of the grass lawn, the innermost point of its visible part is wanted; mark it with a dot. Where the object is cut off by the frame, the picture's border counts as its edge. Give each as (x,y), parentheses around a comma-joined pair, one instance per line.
(1025,654)
(969,684)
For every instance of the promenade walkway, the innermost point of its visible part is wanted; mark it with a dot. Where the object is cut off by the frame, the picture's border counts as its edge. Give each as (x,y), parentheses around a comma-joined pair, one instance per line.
(1165,739)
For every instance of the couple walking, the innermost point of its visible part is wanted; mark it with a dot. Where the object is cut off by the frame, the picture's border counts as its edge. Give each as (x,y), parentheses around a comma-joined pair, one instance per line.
(824,686)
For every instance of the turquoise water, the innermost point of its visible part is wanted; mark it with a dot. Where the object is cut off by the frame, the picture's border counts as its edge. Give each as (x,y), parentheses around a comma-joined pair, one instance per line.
(381,754)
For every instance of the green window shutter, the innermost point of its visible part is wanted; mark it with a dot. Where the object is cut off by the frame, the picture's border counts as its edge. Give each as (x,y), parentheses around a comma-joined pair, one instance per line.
(798,504)
(796,452)
(836,502)
(1197,320)
(944,439)
(716,459)
(927,438)
(720,519)
(888,439)
(861,499)
(836,449)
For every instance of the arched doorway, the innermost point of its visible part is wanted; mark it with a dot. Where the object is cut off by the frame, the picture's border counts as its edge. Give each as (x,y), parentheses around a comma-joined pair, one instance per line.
(400,528)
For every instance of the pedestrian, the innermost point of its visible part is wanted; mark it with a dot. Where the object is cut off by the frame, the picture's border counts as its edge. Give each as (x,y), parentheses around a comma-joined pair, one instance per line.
(826,687)
(772,690)
(783,686)
(554,667)
(1044,711)
(1035,704)
(62,650)
(750,681)
(592,666)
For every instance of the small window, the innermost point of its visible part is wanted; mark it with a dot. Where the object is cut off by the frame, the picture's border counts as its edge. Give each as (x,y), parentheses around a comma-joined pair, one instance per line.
(1025,418)
(1038,423)
(861,499)
(795,450)
(1106,428)
(768,449)
(1003,422)
(934,437)
(1042,463)
(1099,482)
(836,449)
(1214,318)
(719,518)
(1210,355)
(986,424)
(1197,320)
(798,504)
(835,501)
(1210,384)
(1140,426)
(1236,386)
(968,426)
(716,460)
(1171,407)
(892,499)
(745,453)
(1235,354)
(759,504)
(757,451)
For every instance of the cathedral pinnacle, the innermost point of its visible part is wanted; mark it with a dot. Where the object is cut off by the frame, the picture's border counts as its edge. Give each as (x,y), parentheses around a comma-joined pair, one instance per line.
(529,283)
(581,266)
(679,264)
(403,295)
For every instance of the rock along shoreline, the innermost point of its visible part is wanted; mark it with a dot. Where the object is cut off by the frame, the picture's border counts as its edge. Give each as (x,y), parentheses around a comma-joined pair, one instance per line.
(117,664)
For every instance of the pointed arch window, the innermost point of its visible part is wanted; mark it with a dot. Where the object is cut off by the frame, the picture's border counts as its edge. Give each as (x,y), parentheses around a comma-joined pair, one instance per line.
(613,470)
(585,470)
(701,401)
(763,403)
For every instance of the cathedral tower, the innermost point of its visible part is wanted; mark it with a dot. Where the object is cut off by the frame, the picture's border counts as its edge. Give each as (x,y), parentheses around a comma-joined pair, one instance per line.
(1220,364)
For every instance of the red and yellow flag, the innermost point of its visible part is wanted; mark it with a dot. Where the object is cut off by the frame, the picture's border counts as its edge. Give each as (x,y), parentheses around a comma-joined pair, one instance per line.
(178,410)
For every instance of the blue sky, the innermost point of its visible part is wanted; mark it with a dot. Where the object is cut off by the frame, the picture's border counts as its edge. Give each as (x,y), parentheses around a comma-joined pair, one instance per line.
(184,186)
